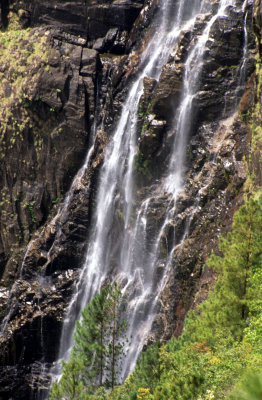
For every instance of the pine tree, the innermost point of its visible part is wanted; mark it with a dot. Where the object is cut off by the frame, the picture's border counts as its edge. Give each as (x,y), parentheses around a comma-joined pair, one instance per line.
(228,304)
(202,358)
(98,350)
(70,386)
(147,372)
(90,338)
(116,335)
(251,388)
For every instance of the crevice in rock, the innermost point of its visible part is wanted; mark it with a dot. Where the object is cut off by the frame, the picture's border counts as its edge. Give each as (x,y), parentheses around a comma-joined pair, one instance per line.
(18,213)
(4,12)
(66,90)
(44,207)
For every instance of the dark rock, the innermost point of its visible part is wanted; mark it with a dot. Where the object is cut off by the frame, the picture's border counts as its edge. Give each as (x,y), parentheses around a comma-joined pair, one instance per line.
(91,20)
(167,93)
(4,9)
(55,112)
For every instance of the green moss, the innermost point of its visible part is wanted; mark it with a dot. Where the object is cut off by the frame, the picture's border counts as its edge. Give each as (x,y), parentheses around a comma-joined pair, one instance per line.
(31,210)
(143,165)
(254,121)
(22,51)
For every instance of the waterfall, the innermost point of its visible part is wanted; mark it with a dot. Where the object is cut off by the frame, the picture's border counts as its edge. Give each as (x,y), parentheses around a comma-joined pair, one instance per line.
(116,186)
(147,232)
(243,65)
(136,261)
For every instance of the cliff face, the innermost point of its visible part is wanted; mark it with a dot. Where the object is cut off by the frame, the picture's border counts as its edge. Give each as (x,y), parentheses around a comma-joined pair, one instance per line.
(65,69)
(90,20)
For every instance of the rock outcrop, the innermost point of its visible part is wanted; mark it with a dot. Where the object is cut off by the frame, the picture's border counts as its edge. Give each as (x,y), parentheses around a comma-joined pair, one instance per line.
(105,25)
(49,104)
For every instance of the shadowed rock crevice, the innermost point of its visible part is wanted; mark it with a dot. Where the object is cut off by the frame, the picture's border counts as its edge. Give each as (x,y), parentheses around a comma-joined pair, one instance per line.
(4,10)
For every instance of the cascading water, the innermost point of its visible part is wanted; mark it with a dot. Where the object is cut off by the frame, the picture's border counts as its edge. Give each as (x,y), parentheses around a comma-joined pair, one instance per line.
(193,69)
(135,261)
(243,65)
(116,186)
(174,180)
(136,265)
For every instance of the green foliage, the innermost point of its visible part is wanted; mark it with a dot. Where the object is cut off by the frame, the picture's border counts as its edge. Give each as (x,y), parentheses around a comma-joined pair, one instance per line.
(213,352)
(56,200)
(253,332)
(227,305)
(218,354)
(147,371)
(142,381)
(90,343)
(143,164)
(70,386)
(96,356)
(26,103)
(250,388)
(115,335)
(222,338)
(253,118)
(31,210)
(24,49)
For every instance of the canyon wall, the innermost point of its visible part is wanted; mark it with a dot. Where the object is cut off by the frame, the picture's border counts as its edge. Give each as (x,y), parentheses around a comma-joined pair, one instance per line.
(65,72)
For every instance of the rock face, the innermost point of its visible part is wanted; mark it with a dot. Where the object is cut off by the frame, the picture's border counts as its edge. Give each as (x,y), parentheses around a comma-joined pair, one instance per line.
(104,24)
(64,76)
(45,128)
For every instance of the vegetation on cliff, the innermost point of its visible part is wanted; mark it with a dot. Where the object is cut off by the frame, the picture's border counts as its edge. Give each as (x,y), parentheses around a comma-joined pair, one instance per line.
(219,354)
(220,345)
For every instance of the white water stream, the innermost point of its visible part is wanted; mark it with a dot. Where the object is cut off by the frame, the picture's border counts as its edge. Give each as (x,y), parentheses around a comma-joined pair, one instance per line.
(135,264)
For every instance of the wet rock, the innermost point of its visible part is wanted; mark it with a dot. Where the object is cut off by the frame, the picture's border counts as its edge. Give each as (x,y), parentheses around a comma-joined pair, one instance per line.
(151,136)
(143,23)
(167,93)
(247,99)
